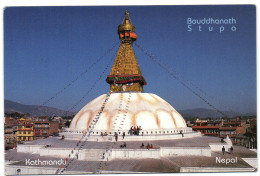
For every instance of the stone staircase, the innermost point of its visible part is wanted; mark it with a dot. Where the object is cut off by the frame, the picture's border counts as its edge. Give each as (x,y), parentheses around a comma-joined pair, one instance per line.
(88,154)
(92,155)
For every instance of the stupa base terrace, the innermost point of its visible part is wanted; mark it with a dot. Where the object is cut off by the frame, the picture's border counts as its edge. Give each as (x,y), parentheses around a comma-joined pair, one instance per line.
(185,154)
(145,135)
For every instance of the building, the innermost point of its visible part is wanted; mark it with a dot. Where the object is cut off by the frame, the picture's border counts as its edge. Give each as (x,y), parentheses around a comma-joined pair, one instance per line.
(41,127)
(21,129)
(249,139)
(228,131)
(10,121)
(54,127)
(61,122)
(207,127)
(8,130)
(234,128)
(10,136)
(25,132)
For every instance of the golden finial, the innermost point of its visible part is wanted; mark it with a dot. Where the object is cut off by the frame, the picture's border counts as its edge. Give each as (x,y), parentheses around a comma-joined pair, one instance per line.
(126,24)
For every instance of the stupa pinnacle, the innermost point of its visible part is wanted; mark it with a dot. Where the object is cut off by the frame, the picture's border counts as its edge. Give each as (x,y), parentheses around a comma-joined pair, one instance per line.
(126,74)
(126,105)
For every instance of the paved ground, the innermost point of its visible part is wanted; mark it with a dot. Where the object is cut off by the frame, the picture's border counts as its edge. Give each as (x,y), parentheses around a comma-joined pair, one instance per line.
(138,165)
(185,142)
(20,158)
(202,161)
(172,164)
(243,152)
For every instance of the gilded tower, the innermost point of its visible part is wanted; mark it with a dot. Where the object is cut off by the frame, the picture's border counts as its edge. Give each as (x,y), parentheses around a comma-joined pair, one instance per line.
(126,74)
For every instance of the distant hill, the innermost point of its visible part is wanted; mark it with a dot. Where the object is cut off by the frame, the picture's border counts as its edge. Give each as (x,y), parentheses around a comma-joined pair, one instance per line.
(204,113)
(10,107)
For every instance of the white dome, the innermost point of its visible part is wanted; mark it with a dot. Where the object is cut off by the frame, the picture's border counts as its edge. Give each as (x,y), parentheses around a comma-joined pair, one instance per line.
(124,110)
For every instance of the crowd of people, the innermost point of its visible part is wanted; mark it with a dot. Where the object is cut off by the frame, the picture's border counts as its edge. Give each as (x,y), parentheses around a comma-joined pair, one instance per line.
(135,130)
(103,134)
(148,146)
(123,146)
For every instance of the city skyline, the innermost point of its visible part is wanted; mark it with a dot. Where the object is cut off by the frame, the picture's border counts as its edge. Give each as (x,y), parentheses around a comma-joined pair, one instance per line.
(48,47)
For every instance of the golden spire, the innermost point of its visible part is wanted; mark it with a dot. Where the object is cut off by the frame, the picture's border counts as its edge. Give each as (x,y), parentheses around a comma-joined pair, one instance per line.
(126,24)
(126,74)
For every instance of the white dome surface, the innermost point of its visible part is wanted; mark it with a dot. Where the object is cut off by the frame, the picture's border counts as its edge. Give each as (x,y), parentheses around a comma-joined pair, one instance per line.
(124,110)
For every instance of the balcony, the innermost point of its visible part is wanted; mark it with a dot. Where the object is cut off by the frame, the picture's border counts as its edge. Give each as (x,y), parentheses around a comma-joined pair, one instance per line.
(195,127)
(225,135)
(41,126)
(211,134)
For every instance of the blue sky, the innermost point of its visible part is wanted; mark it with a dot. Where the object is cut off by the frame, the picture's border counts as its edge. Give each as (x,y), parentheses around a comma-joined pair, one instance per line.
(47,47)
